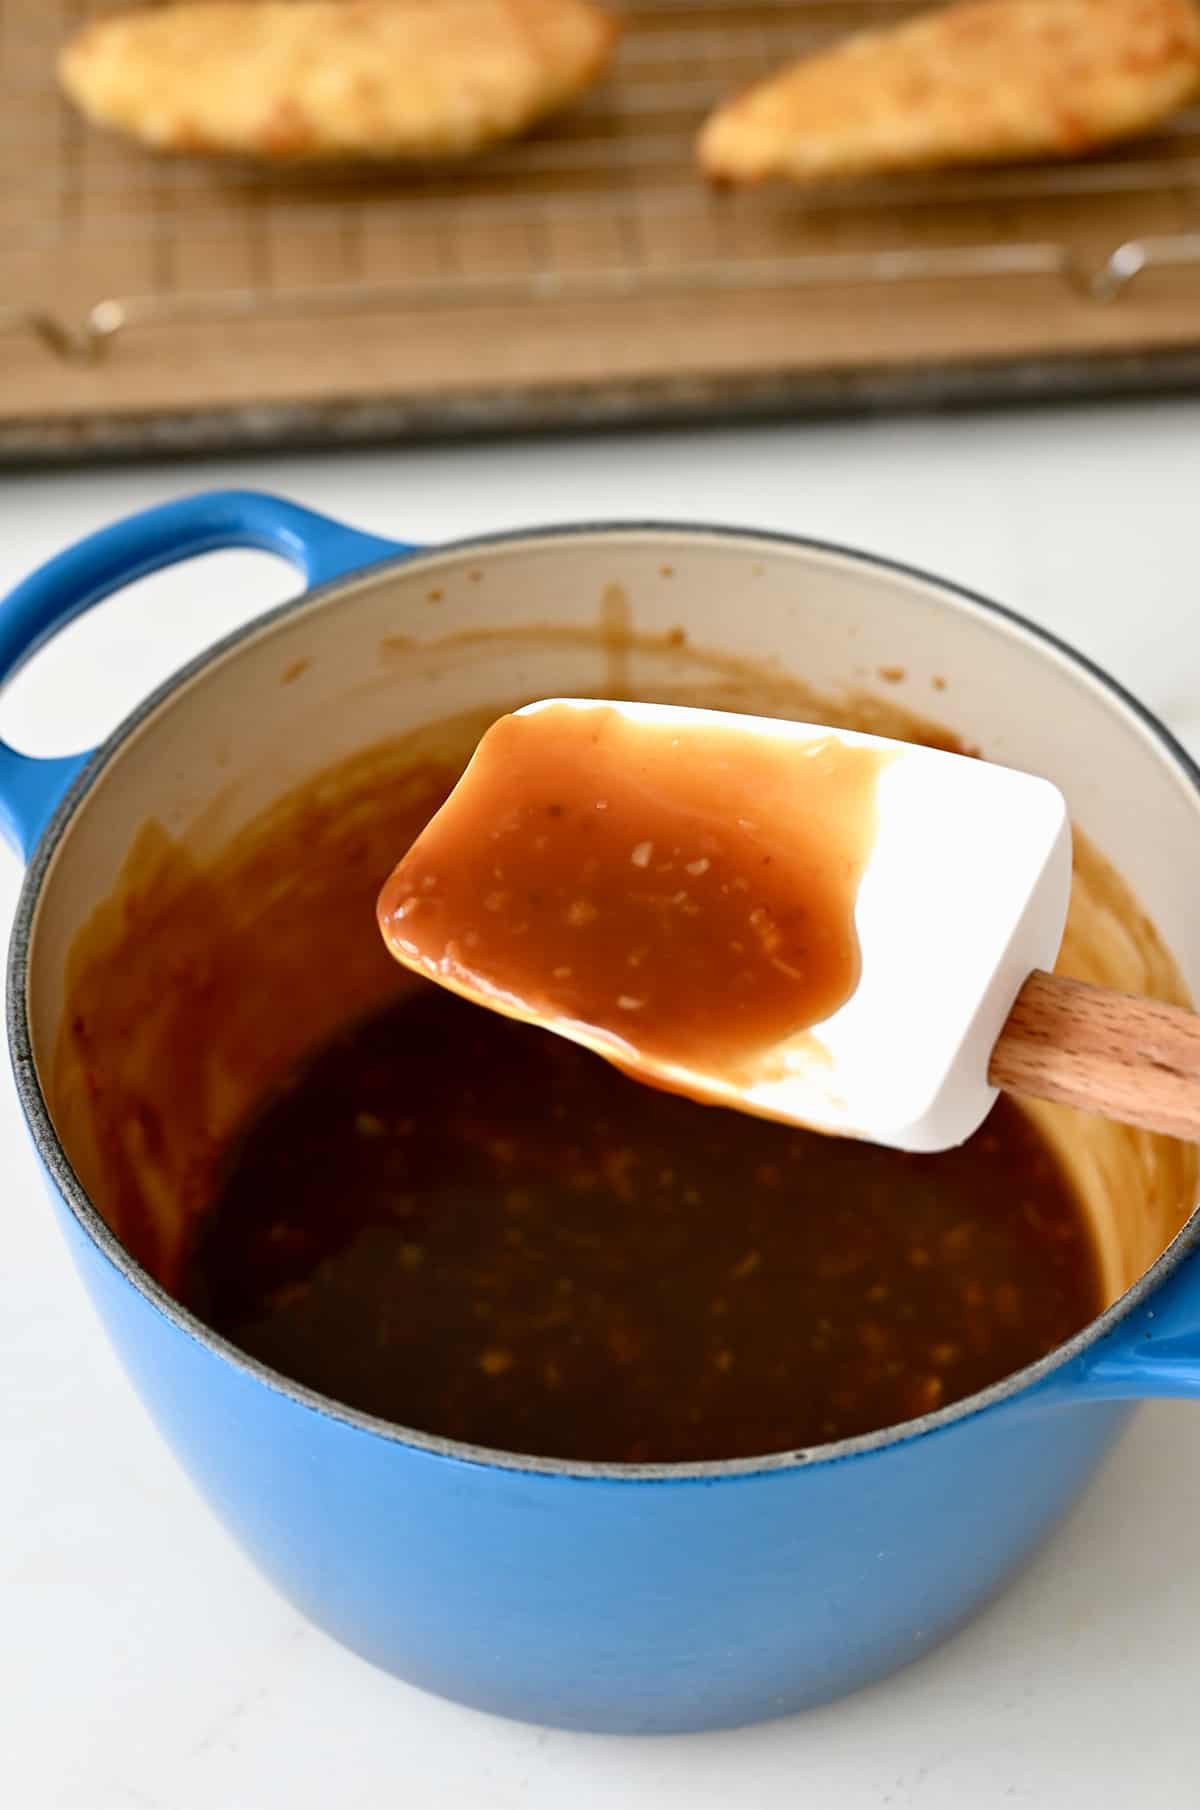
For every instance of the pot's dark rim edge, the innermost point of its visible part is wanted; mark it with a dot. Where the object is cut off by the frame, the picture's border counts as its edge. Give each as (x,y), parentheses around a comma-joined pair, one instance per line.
(55,1159)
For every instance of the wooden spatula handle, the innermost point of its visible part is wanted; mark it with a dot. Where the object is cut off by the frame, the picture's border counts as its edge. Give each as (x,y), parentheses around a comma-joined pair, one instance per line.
(1131,1059)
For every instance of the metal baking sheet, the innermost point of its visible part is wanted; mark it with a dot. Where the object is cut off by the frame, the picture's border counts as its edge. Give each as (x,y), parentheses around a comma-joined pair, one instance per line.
(585,276)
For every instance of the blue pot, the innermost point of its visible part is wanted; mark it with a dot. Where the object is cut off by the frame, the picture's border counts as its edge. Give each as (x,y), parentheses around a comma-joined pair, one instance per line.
(603,1597)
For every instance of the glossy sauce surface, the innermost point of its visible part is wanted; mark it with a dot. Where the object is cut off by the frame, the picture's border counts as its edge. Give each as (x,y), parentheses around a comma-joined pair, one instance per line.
(478,1229)
(689,890)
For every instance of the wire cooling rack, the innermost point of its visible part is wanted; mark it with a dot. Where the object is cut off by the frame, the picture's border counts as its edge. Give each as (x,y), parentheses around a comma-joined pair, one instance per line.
(585,274)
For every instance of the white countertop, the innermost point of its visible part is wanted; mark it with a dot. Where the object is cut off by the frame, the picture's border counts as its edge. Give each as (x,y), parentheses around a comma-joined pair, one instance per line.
(143,1664)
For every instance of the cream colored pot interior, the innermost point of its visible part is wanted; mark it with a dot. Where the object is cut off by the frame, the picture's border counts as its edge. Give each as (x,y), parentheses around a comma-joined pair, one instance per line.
(410,664)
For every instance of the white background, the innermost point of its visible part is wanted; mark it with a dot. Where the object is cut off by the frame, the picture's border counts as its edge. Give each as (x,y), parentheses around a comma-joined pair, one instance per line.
(143,1663)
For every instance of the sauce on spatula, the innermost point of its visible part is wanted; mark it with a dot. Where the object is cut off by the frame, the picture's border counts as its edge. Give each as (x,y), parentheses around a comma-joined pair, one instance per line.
(687,891)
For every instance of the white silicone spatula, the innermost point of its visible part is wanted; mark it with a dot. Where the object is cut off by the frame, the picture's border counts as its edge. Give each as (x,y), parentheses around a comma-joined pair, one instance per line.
(636,876)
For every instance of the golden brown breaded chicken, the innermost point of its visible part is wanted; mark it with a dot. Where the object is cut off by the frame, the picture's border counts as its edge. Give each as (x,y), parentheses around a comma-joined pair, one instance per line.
(982,82)
(334,79)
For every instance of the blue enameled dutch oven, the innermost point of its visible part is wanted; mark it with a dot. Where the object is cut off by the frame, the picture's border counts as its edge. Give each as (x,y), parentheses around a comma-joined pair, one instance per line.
(608,1596)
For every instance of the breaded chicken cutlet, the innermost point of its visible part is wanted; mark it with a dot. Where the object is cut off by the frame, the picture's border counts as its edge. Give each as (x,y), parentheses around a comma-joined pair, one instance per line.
(987,81)
(327,80)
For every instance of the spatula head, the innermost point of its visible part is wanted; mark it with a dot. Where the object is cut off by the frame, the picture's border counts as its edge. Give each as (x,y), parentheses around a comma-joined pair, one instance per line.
(801,922)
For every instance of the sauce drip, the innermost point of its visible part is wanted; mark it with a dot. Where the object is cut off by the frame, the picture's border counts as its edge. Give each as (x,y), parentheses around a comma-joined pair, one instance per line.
(467,1226)
(687,890)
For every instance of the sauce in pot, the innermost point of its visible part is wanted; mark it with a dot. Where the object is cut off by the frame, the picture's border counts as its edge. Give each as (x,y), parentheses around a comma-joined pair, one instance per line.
(476,1228)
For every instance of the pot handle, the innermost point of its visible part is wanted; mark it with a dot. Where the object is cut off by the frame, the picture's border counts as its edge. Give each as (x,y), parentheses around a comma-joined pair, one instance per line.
(1154,1351)
(319,548)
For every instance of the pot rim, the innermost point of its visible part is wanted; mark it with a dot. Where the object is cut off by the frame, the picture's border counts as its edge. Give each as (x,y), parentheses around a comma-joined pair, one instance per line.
(58,1166)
